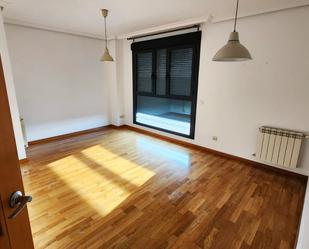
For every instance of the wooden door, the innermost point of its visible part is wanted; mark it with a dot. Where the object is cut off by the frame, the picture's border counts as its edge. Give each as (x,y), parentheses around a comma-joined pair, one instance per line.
(15,232)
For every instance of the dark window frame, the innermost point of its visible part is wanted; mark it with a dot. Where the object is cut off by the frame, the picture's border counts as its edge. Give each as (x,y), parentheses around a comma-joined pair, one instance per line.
(189,40)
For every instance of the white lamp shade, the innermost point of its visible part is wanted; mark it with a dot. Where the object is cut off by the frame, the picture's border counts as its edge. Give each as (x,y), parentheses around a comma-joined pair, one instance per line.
(233,50)
(106,56)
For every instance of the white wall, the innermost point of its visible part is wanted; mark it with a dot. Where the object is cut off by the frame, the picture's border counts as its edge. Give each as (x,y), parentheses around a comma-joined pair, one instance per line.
(11,91)
(234,99)
(111,75)
(60,82)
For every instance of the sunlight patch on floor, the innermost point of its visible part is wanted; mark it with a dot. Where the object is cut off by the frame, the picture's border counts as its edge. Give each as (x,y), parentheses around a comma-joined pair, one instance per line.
(128,170)
(102,183)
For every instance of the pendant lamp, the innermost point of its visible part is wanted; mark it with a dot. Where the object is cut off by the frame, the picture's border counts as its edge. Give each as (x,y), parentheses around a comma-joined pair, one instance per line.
(106,56)
(233,50)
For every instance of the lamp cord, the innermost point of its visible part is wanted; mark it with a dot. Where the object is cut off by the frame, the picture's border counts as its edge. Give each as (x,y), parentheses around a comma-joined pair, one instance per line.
(236,15)
(105,32)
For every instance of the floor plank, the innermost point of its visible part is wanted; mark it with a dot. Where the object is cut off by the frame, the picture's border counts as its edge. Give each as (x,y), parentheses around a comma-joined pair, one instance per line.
(121,189)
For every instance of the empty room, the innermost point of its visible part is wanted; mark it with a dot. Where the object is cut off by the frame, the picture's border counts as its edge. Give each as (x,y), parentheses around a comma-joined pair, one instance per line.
(177,124)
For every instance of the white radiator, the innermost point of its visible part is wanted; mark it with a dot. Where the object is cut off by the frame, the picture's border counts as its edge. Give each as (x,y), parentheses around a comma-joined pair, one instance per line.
(279,146)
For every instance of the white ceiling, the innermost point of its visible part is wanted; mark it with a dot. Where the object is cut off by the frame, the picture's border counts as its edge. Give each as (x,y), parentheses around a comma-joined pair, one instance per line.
(127,16)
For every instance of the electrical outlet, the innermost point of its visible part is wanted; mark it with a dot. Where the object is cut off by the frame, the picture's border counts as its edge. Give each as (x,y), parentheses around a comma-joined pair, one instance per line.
(215,138)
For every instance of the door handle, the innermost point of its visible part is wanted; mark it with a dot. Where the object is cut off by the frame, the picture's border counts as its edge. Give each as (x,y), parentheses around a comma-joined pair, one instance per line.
(18,201)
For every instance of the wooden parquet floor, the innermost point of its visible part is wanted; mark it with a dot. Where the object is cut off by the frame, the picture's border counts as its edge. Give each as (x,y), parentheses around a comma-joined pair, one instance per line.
(117,188)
